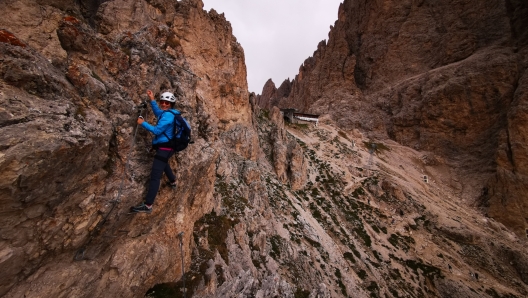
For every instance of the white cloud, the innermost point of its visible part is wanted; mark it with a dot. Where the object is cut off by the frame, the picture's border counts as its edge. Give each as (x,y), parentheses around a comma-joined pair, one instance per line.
(277,35)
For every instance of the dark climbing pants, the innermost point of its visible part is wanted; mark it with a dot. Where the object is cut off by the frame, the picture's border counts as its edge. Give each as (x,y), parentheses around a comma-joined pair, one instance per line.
(159,166)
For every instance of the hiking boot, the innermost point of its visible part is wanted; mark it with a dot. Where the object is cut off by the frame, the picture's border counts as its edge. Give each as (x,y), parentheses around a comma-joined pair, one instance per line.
(141,208)
(172,184)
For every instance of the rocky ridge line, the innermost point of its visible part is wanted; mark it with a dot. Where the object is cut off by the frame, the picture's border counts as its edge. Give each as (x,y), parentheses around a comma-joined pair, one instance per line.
(447,78)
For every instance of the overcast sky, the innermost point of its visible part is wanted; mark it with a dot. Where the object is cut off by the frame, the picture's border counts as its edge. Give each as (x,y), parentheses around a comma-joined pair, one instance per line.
(277,35)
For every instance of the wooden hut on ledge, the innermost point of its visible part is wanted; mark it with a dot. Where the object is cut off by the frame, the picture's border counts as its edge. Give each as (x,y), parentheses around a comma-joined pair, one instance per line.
(292,116)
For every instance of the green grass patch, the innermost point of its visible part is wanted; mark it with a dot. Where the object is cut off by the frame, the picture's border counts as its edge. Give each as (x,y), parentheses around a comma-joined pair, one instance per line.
(340,282)
(95,76)
(276,242)
(399,241)
(493,293)
(349,256)
(301,293)
(427,270)
(373,288)
(299,126)
(395,274)
(358,191)
(343,135)
(360,231)
(376,147)
(312,242)
(362,274)
(264,114)
(218,226)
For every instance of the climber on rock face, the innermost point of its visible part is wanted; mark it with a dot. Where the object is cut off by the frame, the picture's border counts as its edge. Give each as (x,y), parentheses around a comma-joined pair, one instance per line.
(162,130)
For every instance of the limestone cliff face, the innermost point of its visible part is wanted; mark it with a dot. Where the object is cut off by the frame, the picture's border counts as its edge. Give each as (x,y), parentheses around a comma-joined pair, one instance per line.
(262,208)
(263,100)
(271,96)
(287,155)
(71,77)
(446,77)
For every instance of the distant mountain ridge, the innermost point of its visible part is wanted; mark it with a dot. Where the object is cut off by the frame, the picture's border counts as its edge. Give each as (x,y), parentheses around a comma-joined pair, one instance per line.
(445,77)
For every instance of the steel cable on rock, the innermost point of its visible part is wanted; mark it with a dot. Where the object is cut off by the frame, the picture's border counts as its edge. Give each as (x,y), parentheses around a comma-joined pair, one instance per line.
(79,255)
(180,235)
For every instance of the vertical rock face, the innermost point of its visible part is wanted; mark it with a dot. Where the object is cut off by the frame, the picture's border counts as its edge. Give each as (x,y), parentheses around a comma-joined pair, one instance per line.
(447,77)
(71,78)
(288,159)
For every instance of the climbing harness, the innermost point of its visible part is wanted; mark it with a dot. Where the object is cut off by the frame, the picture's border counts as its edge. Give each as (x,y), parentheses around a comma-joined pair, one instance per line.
(79,255)
(183,265)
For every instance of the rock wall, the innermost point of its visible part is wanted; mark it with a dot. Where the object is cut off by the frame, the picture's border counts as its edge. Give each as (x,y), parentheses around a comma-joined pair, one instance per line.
(286,154)
(446,77)
(71,78)
(262,208)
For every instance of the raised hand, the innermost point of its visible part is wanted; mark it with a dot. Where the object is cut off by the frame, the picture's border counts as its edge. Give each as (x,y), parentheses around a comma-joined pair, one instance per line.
(150,94)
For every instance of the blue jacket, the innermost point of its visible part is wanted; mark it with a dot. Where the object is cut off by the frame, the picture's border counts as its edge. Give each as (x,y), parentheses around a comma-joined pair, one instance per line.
(165,125)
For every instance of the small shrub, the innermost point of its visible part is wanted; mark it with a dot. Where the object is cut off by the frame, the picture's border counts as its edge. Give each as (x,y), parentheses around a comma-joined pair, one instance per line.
(343,135)
(275,241)
(349,256)
(301,293)
(427,270)
(95,76)
(362,274)
(340,283)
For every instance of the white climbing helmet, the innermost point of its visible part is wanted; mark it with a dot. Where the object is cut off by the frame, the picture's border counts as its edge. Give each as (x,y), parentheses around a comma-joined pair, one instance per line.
(167,96)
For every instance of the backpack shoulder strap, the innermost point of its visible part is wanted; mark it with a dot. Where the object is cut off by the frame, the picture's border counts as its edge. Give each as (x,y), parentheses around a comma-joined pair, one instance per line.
(177,116)
(162,113)
(174,112)
(174,125)
(180,124)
